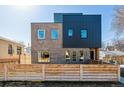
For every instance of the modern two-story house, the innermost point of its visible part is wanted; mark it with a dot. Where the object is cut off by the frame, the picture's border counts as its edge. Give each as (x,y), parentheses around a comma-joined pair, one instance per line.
(71,38)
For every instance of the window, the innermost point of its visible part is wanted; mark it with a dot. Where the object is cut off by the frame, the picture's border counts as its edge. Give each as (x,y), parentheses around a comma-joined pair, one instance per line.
(10,49)
(54,34)
(41,33)
(19,50)
(70,32)
(67,55)
(83,33)
(81,56)
(74,56)
(43,56)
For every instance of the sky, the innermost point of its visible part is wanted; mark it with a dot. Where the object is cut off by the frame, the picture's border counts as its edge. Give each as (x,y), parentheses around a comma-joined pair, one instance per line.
(15,21)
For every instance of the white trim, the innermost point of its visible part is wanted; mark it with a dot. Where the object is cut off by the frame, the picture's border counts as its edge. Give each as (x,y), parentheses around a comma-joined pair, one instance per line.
(44,33)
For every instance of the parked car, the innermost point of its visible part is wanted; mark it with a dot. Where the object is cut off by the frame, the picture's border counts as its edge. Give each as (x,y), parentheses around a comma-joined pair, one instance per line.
(113,62)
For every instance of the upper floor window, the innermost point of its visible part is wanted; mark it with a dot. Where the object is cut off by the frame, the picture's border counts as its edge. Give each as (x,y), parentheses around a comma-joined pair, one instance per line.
(70,32)
(41,33)
(54,34)
(10,49)
(84,33)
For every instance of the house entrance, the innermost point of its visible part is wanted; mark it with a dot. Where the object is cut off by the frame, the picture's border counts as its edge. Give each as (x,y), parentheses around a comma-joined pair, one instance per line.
(92,55)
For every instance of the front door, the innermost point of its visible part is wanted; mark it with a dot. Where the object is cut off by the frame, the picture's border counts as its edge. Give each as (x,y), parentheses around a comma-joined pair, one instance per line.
(92,56)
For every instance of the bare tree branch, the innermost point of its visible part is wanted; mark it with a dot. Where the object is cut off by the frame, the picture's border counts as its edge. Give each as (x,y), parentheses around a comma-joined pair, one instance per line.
(118,25)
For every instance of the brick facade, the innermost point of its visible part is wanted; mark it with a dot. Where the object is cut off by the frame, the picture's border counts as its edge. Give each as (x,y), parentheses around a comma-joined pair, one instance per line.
(55,48)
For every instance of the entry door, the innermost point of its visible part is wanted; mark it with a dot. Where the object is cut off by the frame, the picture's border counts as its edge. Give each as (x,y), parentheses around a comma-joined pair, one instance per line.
(92,55)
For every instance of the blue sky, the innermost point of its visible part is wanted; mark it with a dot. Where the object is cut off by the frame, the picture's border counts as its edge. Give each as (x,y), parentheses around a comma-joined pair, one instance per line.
(15,20)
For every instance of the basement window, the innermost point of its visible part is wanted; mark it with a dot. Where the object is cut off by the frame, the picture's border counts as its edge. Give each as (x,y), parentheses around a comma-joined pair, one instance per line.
(43,56)
(67,55)
(81,56)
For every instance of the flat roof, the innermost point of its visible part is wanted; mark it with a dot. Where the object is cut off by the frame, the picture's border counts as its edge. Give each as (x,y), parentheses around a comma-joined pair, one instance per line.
(45,23)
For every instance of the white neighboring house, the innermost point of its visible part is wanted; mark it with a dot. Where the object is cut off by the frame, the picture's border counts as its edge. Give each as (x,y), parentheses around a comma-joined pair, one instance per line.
(101,55)
(114,53)
(10,50)
(113,57)
(27,50)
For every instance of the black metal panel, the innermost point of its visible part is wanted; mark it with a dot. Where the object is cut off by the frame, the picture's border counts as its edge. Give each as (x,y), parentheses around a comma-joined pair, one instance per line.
(92,23)
(58,17)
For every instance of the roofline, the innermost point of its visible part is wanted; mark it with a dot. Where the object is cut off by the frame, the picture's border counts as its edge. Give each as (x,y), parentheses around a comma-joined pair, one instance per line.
(6,39)
(80,14)
(45,23)
(85,15)
(69,13)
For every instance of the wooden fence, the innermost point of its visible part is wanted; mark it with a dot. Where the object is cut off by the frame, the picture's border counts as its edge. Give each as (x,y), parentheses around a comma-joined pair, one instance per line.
(24,59)
(59,72)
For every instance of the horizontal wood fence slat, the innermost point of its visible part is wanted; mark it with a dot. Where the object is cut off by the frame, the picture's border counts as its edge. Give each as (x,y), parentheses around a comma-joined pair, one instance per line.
(59,72)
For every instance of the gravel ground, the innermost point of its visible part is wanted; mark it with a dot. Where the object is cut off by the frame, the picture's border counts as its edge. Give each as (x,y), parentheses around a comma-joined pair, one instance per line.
(58,84)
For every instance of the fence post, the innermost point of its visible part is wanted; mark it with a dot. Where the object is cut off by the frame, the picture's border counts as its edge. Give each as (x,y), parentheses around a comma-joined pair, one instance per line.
(119,72)
(81,72)
(43,71)
(5,72)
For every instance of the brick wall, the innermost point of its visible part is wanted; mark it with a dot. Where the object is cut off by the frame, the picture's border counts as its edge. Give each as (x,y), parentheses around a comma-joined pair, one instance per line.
(55,48)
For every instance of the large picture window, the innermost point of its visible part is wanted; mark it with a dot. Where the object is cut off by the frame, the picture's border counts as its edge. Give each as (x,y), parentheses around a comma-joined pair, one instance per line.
(41,33)
(43,56)
(83,33)
(54,33)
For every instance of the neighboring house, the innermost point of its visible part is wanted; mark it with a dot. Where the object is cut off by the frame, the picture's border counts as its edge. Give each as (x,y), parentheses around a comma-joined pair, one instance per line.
(101,54)
(27,50)
(10,50)
(115,56)
(71,38)
(26,58)
(110,48)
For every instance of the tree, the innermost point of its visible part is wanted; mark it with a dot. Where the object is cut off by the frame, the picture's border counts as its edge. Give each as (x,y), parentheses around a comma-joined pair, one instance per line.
(118,25)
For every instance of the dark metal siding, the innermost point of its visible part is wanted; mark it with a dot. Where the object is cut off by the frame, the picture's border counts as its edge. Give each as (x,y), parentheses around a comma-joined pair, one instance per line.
(58,17)
(77,22)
